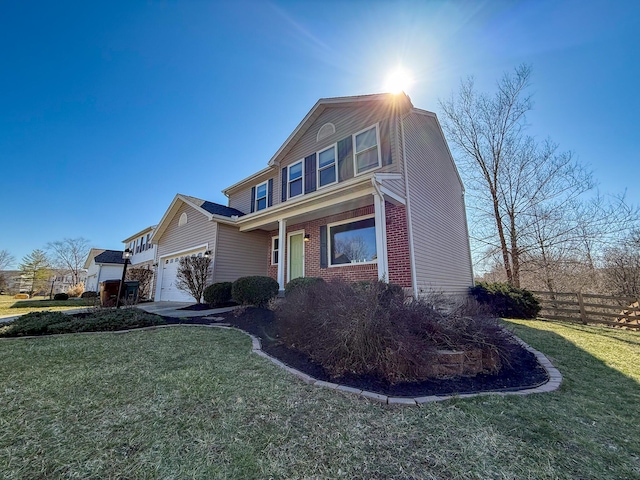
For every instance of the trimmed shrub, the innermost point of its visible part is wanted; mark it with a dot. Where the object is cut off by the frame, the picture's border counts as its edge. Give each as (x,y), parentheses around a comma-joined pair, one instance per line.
(366,330)
(256,290)
(89,295)
(505,300)
(61,296)
(300,282)
(48,323)
(218,294)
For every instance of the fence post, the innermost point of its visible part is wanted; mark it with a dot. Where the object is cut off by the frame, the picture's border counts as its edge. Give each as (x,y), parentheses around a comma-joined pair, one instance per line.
(583,312)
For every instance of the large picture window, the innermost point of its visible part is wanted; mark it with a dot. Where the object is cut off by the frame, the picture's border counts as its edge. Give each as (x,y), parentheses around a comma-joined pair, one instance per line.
(366,150)
(327,167)
(353,242)
(295,179)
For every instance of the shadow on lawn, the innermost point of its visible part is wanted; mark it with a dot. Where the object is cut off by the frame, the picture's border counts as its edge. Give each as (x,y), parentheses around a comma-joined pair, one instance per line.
(582,370)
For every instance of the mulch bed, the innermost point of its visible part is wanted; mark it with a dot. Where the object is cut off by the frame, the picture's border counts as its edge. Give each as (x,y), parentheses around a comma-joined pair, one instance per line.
(525,371)
(204,306)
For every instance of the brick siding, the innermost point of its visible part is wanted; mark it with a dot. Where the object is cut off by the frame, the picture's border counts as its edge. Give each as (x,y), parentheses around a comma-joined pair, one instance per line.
(397,243)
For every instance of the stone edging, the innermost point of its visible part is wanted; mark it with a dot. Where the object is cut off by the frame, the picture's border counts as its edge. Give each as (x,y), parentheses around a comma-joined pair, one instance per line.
(553,383)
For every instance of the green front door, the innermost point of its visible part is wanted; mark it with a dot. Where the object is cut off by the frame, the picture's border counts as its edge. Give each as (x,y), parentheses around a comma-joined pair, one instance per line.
(296,256)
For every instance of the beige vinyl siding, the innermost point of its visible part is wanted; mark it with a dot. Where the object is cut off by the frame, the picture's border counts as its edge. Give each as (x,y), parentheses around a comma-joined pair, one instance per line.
(440,236)
(396,186)
(199,230)
(241,200)
(239,254)
(347,120)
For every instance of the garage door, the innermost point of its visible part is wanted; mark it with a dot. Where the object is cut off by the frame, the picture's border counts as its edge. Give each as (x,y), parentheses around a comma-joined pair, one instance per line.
(168,291)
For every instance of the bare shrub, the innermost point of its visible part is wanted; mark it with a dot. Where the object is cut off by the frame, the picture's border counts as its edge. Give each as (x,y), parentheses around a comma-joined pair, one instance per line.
(143,276)
(349,329)
(76,290)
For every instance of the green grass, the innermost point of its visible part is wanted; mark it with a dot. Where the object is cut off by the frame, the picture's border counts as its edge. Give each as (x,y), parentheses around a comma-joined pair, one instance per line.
(11,306)
(193,402)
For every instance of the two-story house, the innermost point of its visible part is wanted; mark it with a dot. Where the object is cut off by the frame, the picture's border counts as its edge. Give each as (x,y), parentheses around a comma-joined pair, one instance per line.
(364,188)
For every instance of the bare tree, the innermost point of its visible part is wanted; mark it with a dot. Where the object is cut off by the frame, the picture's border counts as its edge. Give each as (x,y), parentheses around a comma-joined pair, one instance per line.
(69,255)
(622,267)
(514,181)
(36,269)
(6,259)
(144,277)
(193,275)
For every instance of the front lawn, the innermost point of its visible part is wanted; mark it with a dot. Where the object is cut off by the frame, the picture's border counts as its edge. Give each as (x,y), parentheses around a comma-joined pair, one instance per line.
(11,306)
(193,402)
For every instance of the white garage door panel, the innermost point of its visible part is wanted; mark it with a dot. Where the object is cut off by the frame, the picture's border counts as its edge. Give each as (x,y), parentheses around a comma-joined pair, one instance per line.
(168,291)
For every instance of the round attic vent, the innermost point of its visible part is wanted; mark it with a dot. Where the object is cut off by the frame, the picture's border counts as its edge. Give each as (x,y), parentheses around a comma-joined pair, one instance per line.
(325,131)
(183,220)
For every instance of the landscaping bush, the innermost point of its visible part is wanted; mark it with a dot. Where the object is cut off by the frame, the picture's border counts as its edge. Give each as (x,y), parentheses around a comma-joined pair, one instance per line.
(48,323)
(89,295)
(61,296)
(385,292)
(218,294)
(300,282)
(368,330)
(505,300)
(254,290)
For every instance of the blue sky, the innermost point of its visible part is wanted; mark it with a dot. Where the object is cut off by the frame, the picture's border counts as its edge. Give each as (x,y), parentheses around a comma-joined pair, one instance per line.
(108,109)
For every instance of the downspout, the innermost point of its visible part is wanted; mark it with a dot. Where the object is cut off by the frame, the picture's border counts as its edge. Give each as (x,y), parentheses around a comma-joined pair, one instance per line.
(383,227)
(409,216)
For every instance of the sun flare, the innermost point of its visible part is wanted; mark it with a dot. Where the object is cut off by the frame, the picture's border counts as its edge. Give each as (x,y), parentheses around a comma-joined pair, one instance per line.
(398,81)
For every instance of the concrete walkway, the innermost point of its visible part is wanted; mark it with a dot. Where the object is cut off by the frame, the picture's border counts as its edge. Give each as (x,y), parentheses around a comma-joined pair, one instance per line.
(165,309)
(172,309)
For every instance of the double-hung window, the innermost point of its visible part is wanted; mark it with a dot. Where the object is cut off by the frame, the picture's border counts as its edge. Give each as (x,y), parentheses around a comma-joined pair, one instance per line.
(353,242)
(261,196)
(366,150)
(295,179)
(327,166)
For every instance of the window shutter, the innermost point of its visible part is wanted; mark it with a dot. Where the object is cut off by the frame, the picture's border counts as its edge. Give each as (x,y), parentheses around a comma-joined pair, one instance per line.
(310,173)
(385,142)
(284,184)
(345,159)
(323,247)
(253,199)
(270,193)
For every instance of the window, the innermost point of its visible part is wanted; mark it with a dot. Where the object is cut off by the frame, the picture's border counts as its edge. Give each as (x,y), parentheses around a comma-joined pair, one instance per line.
(327,167)
(295,179)
(261,196)
(366,150)
(353,242)
(275,250)
(183,220)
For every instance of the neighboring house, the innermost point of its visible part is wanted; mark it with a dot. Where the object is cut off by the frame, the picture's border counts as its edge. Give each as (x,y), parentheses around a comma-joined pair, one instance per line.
(16,281)
(62,281)
(102,265)
(364,188)
(144,252)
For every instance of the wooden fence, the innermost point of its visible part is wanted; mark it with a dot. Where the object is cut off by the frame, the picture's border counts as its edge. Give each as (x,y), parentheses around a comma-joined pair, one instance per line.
(586,308)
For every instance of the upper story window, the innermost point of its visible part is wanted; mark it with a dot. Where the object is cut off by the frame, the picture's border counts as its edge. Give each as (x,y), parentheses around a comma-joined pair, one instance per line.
(261,196)
(366,153)
(295,179)
(327,167)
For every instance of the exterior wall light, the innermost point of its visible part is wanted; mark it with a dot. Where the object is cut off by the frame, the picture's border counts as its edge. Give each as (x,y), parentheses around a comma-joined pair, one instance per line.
(307,237)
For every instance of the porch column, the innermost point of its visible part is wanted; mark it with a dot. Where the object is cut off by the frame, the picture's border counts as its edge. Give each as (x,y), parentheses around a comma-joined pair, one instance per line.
(282,247)
(381,237)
